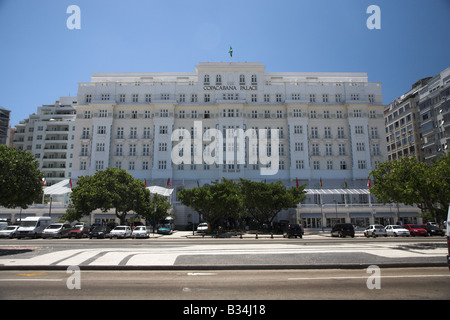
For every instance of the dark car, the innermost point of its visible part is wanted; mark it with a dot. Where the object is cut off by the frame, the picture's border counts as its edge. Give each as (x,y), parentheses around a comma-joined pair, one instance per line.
(434,230)
(293,230)
(342,230)
(99,232)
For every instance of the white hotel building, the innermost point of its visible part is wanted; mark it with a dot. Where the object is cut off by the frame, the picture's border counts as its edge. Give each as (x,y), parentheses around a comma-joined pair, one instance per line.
(330,129)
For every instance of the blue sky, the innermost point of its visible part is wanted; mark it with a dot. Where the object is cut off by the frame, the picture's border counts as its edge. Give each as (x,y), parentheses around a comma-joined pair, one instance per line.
(41,59)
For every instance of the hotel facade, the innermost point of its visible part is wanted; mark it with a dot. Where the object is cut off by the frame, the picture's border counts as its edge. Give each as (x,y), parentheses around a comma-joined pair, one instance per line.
(325,130)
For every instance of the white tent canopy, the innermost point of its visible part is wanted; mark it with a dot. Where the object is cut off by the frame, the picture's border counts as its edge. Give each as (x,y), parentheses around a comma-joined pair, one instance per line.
(160,190)
(337,191)
(60,188)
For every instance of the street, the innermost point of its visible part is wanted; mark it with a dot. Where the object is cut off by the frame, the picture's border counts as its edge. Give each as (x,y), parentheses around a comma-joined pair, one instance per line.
(396,283)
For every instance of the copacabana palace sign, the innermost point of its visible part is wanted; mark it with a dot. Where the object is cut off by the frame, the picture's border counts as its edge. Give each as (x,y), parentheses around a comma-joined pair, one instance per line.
(230,88)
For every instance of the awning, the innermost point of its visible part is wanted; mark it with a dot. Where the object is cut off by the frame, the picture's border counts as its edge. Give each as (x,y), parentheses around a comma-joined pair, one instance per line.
(337,191)
(60,188)
(160,190)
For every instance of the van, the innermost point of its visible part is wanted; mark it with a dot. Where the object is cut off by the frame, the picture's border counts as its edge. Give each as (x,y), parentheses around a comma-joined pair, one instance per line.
(32,227)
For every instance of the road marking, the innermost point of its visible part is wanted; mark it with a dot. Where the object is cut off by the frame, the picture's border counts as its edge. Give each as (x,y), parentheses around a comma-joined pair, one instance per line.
(201,274)
(365,277)
(43,280)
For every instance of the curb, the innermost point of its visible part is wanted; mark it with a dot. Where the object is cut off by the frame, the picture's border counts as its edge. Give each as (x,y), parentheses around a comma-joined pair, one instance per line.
(232,267)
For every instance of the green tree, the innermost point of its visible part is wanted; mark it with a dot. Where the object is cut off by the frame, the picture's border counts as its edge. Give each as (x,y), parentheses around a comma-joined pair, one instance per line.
(263,201)
(153,207)
(109,189)
(412,182)
(216,203)
(20,178)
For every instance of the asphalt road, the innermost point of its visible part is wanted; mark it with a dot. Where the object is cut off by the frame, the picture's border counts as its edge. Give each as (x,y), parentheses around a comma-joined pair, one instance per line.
(359,284)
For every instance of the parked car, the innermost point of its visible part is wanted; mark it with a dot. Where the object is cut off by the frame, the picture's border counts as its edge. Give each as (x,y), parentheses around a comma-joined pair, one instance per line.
(416,230)
(434,230)
(120,232)
(165,229)
(79,231)
(99,232)
(56,230)
(8,232)
(375,230)
(203,227)
(293,230)
(343,230)
(140,232)
(396,230)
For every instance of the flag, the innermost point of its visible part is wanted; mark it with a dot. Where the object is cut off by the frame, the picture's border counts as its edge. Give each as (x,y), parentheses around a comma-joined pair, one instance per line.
(168,183)
(296,182)
(321,183)
(231,52)
(145,183)
(70,182)
(368,183)
(44,182)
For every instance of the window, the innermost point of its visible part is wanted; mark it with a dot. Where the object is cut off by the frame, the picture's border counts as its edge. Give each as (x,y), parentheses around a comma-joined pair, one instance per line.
(313,114)
(165,96)
(148,98)
(360,146)
(324,97)
(327,132)
(164,113)
(82,165)
(266,97)
(374,132)
(119,164)
(84,150)
(254,114)
(341,134)
(242,79)
(101,130)
(298,146)
(162,165)
(343,165)
(312,98)
(122,98)
(147,131)
(329,165)
(207,98)
(163,130)
(339,114)
(314,133)
(99,165)
(120,133)
(266,114)
(100,147)
(194,97)
(133,133)
(88,99)
(85,134)
(295,96)
(87,115)
(326,114)
(362,164)
(328,149)
(341,149)
(121,114)
(135,97)
(134,114)
(278,97)
(147,114)
(119,150)
(357,113)
(162,146)
(132,150)
(359,129)
(131,165)
(103,113)
(315,149)
(279,114)
(354,96)
(146,149)
(254,97)
(105,97)
(316,165)
(297,113)
(254,79)
(338,98)
(371,98)
(299,164)
(298,129)
(206,79)
(144,165)
(218,79)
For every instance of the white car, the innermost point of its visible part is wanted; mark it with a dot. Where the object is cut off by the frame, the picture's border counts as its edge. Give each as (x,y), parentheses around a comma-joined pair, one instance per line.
(56,230)
(120,232)
(396,230)
(140,232)
(8,232)
(375,230)
(202,227)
